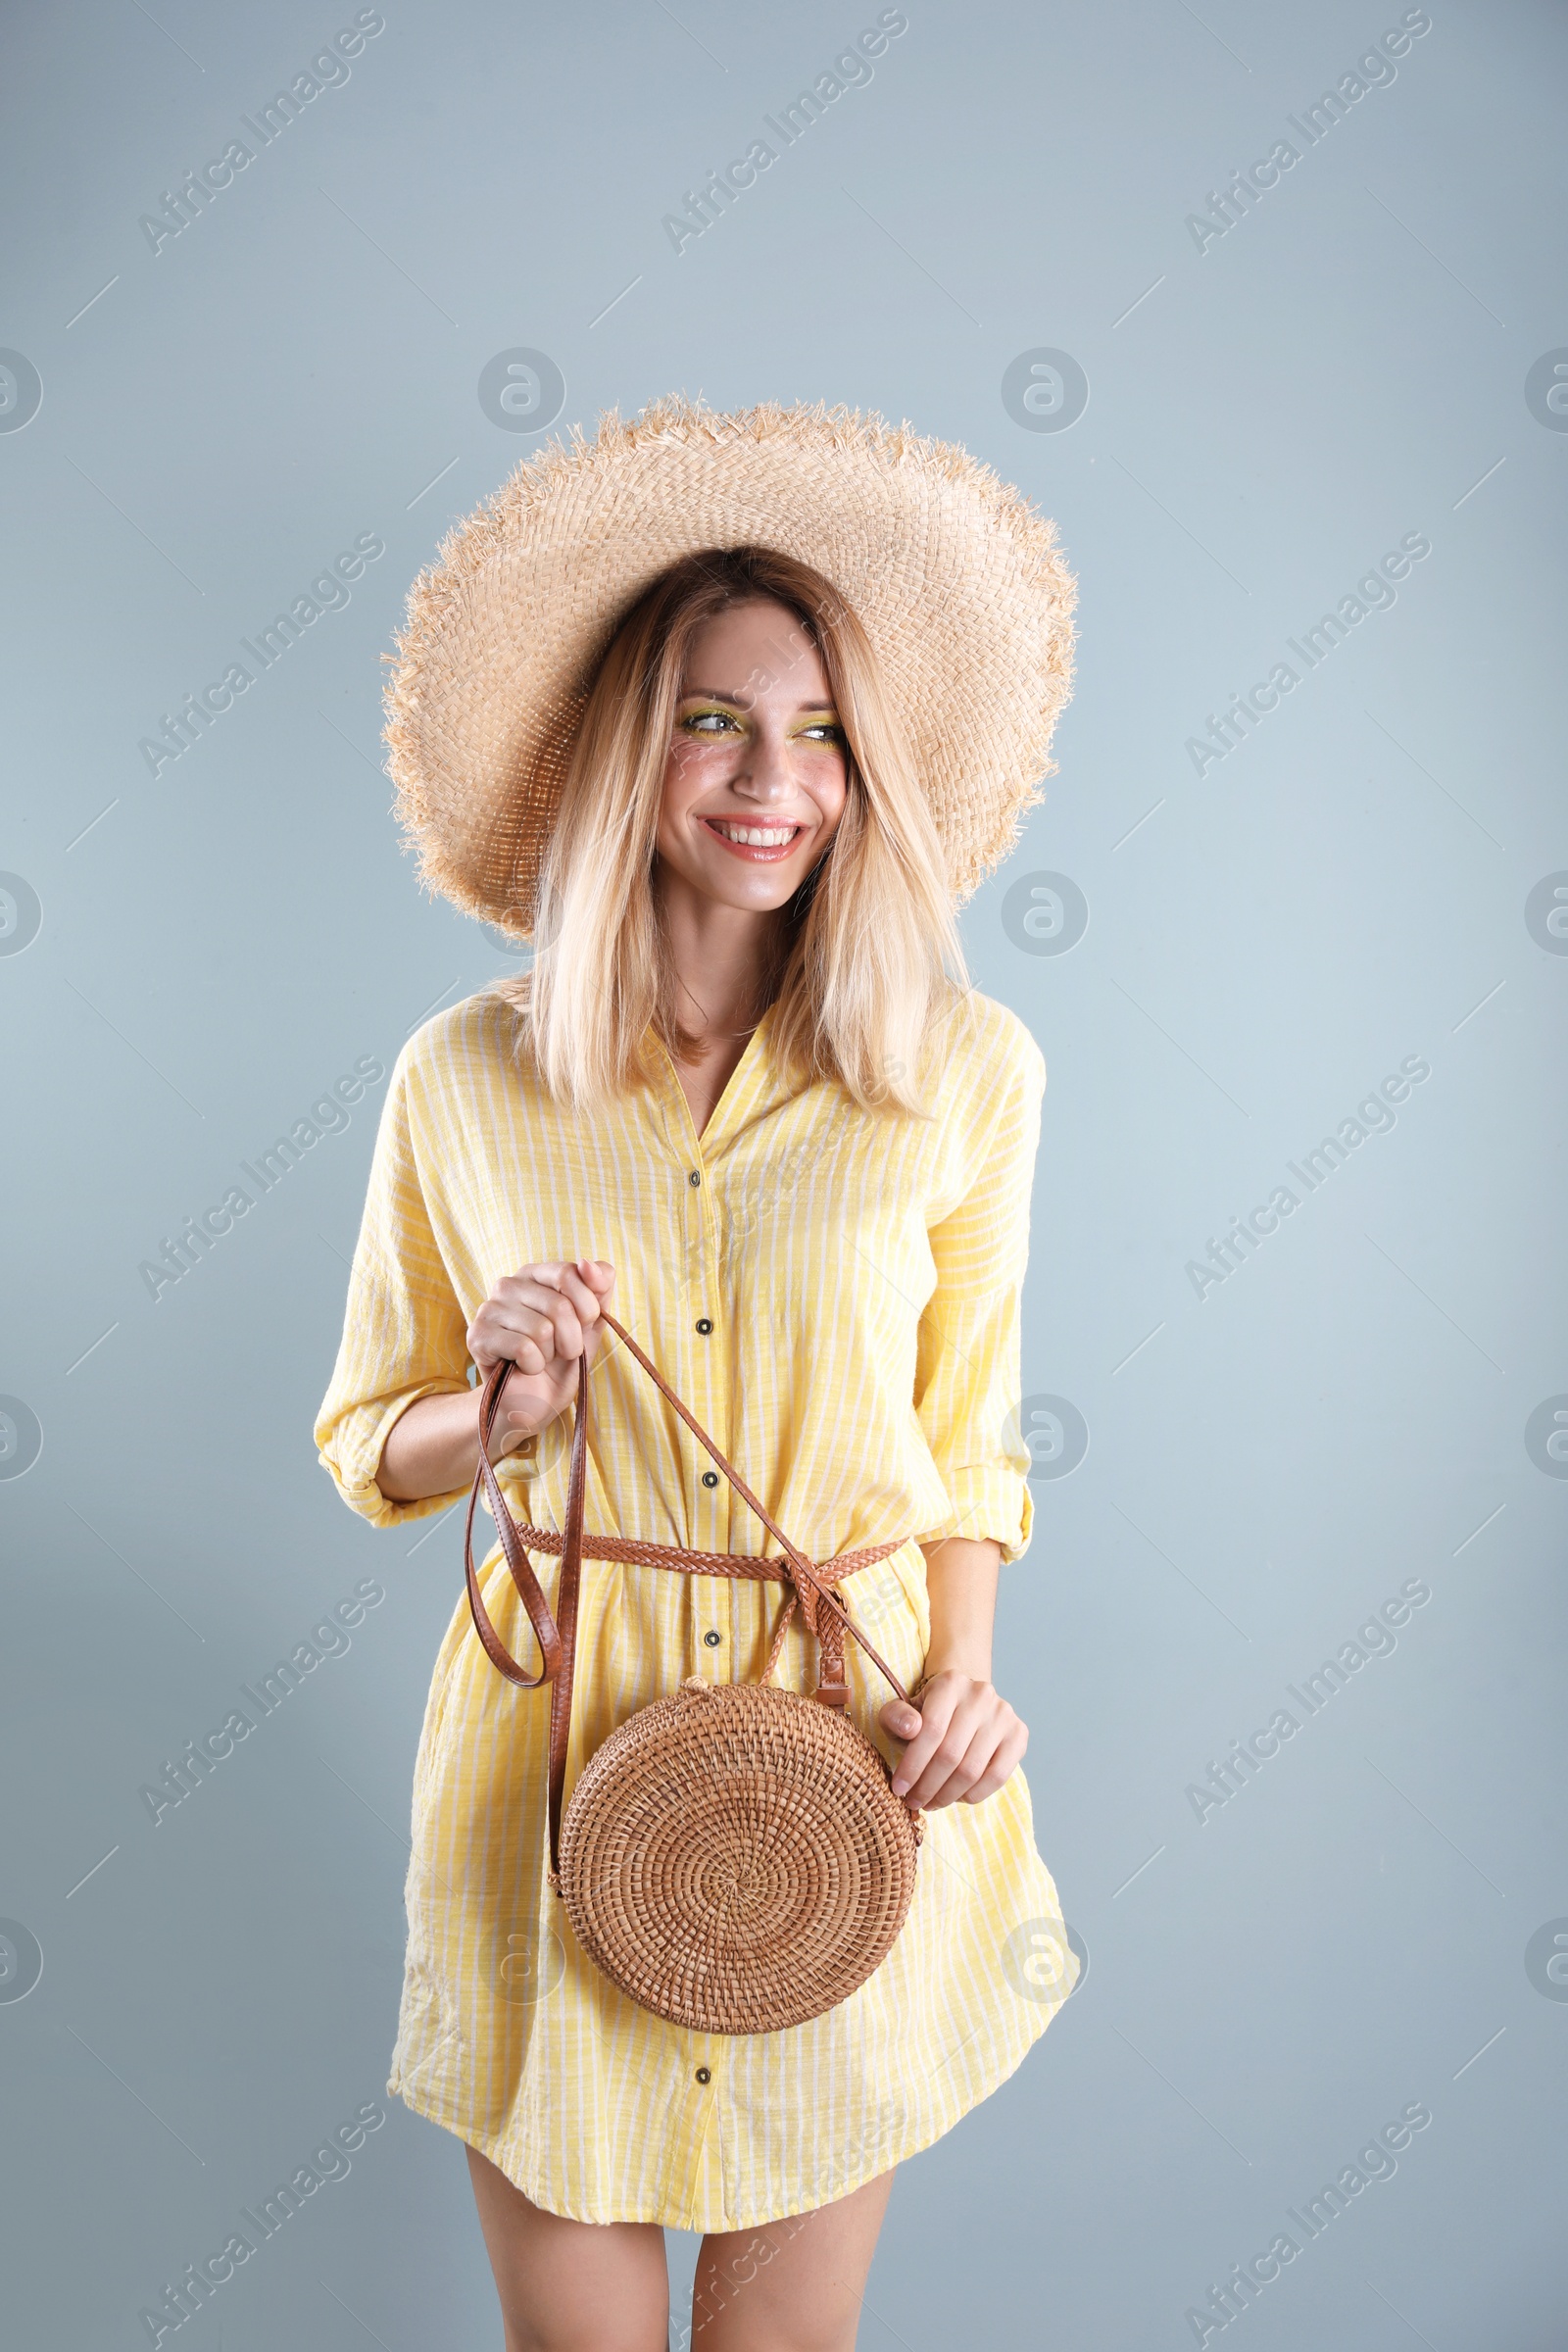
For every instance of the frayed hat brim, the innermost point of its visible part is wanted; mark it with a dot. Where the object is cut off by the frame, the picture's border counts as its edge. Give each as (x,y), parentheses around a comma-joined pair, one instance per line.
(956,578)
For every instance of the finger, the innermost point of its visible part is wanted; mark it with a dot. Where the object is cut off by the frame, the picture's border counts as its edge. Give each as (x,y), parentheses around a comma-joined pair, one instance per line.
(513,1335)
(527,1355)
(1006,1757)
(961,1753)
(584,1299)
(921,1745)
(594,1274)
(968,1771)
(548,1274)
(1001,1769)
(996,1774)
(900,1720)
(527,1336)
(932,1758)
(535,1291)
(595,1279)
(571,1289)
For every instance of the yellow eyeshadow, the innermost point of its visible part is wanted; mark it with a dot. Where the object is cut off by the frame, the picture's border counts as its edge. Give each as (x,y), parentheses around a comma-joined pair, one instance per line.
(805,726)
(711,710)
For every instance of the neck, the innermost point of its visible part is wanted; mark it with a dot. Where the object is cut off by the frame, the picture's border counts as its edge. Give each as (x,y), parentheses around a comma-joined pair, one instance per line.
(722,959)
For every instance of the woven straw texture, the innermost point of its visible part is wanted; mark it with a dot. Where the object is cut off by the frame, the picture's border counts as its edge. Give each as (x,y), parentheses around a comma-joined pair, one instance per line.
(956,578)
(734,1858)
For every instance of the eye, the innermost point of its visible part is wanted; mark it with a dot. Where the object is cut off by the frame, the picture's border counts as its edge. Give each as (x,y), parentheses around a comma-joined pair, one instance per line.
(824,730)
(706,722)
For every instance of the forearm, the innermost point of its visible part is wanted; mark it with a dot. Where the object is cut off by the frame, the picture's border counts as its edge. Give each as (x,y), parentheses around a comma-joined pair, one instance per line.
(961,1575)
(432,1448)
(963,1740)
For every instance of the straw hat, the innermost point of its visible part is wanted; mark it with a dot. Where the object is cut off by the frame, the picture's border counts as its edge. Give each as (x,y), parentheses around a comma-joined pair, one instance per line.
(954,576)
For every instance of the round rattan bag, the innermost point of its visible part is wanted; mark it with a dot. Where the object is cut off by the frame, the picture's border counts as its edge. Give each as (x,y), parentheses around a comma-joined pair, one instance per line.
(733,1856)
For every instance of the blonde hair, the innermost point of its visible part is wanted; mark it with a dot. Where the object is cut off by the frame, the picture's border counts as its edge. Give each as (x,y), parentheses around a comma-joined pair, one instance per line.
(867,950)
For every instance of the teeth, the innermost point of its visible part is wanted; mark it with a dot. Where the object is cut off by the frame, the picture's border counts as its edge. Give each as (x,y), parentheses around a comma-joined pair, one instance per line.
(756,837)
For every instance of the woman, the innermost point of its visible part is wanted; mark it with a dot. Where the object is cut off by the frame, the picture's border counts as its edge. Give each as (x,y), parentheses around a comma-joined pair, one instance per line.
(726,714)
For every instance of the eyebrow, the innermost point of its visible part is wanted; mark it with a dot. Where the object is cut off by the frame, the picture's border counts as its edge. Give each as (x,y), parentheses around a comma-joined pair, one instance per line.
(714,694)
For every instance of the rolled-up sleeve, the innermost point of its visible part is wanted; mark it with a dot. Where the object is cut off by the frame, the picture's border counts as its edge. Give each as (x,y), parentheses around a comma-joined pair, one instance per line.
(404,1328)
(968,1375)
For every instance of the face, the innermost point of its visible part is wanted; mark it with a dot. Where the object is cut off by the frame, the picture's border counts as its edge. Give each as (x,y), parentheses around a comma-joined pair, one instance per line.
(756,775)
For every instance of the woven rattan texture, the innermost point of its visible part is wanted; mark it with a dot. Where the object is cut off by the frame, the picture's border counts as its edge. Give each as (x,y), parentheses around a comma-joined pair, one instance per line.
(734,1858)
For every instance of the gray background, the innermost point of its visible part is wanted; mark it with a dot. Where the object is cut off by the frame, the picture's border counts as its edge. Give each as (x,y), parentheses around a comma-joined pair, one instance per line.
(1266,1464)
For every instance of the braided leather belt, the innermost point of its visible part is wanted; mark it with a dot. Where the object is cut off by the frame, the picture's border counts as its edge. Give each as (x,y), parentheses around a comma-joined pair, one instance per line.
(632,1551)
(811,1583)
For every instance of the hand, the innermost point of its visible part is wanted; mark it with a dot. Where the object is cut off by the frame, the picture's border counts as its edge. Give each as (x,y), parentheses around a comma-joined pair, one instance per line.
(963,1742)
(542,1318)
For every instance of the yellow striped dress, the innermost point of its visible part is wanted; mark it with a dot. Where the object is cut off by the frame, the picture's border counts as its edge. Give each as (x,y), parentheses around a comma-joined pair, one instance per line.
(836,1297)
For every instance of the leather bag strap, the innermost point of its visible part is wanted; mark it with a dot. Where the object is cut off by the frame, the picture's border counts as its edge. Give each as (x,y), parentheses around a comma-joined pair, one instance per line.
(799,1567)
(556,1634)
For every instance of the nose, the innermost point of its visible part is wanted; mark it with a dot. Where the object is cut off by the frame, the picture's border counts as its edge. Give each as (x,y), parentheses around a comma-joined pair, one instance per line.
(764,776)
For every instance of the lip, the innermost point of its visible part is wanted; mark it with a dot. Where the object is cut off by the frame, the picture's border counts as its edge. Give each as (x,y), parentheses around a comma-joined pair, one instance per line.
(750,851)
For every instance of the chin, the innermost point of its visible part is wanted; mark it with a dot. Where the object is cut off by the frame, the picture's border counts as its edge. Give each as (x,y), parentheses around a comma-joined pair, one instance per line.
(758,893)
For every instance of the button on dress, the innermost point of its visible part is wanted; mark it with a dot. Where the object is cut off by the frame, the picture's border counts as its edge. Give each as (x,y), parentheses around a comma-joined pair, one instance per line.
(836,1297)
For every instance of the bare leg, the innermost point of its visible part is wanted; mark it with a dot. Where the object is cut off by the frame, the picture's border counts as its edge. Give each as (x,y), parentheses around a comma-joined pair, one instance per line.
(793,2285)
(571,2286)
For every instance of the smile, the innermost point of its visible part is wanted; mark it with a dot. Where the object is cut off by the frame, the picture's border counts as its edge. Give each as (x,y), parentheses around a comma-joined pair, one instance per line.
(757,842)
